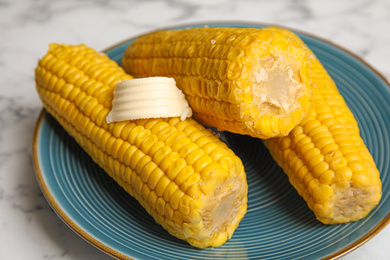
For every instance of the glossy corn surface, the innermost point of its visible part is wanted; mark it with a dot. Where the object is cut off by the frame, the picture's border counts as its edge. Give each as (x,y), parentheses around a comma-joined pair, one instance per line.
(186,178)
(247,81)
(325,158)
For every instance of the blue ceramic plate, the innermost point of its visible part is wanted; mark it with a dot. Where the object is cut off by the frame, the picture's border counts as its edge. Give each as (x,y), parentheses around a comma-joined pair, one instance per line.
(278,224)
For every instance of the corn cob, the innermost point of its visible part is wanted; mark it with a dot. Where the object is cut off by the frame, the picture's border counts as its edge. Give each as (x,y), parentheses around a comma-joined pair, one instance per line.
(324,157)
(247,81)
(185,177)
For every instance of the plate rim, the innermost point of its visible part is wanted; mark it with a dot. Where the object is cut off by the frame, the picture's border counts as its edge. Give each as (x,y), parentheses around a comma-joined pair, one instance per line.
(114,253)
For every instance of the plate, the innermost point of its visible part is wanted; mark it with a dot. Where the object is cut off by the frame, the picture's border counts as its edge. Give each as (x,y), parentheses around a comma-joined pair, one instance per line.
(278,224)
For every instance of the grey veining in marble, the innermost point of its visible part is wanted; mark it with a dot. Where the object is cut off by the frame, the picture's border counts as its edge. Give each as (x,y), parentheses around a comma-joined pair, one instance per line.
(29,229)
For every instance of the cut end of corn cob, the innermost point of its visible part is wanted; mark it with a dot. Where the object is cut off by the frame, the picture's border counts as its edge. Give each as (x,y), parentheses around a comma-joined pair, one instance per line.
(221,201)
(151,97)
(248,81)
(352,203)
(185,177)
(276,85)
(324,157)
(280,89)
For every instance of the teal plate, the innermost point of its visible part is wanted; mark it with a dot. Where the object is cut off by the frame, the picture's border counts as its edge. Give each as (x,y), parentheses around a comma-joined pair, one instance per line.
(278,224)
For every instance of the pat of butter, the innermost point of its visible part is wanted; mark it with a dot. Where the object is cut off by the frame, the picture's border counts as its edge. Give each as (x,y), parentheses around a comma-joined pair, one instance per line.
(152,97)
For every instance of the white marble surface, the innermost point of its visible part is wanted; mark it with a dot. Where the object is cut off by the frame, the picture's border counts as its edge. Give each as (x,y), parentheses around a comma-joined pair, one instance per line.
(29,229)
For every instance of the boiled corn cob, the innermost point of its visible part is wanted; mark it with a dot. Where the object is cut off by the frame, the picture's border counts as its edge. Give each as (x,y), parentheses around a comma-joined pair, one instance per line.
(248,81)
(185,177)
(324,157)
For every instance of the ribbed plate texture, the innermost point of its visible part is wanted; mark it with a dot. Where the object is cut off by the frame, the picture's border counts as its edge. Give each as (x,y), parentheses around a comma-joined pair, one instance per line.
(278,224)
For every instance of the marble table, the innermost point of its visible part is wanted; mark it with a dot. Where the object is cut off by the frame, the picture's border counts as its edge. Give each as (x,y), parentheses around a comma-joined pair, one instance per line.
(29,229)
